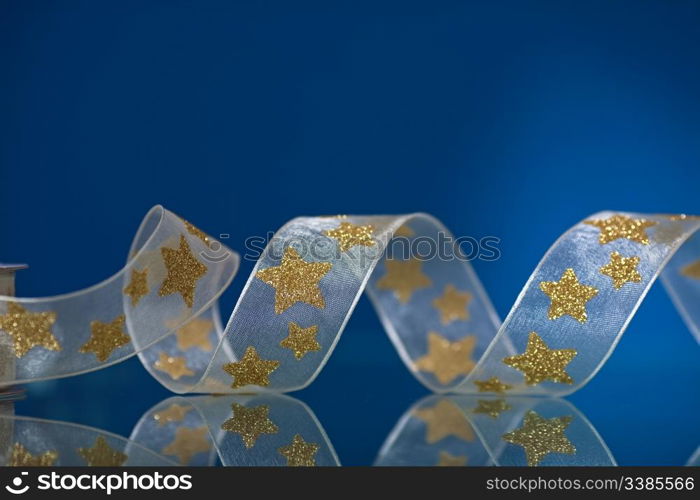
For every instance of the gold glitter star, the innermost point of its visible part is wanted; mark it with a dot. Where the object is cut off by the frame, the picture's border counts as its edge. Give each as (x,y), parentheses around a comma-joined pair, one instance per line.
(102,455)
(22,458)
(195,334)
(175,366)
(449,460)
(492,408)
(622,270)
(447,360)
(184,270)
(251,369)
(453,305)
(444,419)
(174,413)
(541,436)
(621,226)
(299,453)
(301,340)
(349,235)
(692,270)
(138,286)
(540,363)
(492,385)
(29,329)
(250,423)
(195,231)
(568,296)
(295,281)
(188,442)
(404,277)
(105,338)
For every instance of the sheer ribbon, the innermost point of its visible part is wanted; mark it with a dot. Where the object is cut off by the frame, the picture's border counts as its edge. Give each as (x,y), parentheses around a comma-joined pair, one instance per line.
(162,305)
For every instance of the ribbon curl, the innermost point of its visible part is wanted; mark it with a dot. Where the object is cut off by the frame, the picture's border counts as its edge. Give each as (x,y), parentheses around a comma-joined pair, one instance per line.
(563,326)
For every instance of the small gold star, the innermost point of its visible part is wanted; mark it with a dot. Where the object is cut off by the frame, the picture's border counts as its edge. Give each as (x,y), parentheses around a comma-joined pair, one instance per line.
(622,270)
(493,408)
(22,458)
(299,453)
(175,366)
(301,340)
(349,235)
(492,385)
(449,460)
(295,280)
(29,329)
(188,442)
(138,286)
(105,338)
(541,436)
(621,226)
(540,363)
(692,270)
(174,413)
(102,455)
(447,360)
(404,277)
(453,305)
(195,333)
(568,296)
(250,423)
(195,231)
(184,270)
(251,369)
(444,419)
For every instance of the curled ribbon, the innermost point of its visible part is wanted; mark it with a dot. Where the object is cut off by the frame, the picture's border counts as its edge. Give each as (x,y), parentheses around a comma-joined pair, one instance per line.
(563,326)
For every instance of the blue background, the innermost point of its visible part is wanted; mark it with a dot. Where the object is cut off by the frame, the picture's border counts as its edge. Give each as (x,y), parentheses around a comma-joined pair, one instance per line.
(505,118)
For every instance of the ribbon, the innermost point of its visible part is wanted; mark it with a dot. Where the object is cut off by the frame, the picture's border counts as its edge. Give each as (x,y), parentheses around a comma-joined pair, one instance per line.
(563,326)
(278,430)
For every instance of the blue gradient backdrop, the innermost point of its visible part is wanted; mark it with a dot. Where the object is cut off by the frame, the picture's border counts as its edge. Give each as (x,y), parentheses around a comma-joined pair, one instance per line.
(505,118)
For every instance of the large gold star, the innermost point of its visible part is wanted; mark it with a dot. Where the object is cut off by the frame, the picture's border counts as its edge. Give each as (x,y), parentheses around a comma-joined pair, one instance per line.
(138,286)
(102,455)
(541,436)
(195,333)
(301,340)
(251,369)
(621,226)
(349,235)
(105,338)
(622,270)
(447,360)
(492,385)
(299,453)
(295,280)
(692,270)
(453,305)
(444,419)
(568,296)
(404,277)
(540,363)
(492,408)
(175,366)
(250,423)
(29,329)
(22,458)
(173,413)
(184,270)
(188,442)
(449,460)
